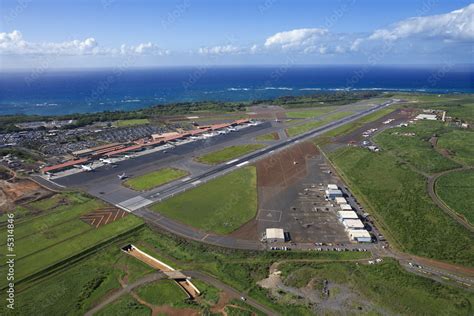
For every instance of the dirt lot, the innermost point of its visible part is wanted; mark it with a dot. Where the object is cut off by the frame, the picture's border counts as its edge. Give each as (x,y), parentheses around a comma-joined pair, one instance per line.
(270,112)
(291,197)
(18,191)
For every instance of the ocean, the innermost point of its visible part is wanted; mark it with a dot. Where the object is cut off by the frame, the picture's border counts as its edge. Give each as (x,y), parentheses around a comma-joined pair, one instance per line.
(50,92)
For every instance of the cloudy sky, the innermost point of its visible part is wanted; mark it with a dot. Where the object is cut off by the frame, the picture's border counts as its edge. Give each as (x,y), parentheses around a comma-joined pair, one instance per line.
(107,33)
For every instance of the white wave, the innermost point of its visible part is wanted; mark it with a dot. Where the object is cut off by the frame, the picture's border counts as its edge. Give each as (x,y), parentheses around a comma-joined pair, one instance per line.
(310,89)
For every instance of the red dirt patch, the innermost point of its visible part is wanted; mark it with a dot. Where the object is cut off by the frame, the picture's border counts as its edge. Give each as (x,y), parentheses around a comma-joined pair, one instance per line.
(17,191)
(103,217)
(286,167)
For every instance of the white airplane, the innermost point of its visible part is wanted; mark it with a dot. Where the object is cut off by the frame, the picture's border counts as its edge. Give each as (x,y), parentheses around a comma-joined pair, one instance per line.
(107,161)
(85,167)
(126,156)
(122,176)
(231,129)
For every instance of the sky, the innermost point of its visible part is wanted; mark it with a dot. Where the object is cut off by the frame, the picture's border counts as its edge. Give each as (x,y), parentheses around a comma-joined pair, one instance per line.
(119,33)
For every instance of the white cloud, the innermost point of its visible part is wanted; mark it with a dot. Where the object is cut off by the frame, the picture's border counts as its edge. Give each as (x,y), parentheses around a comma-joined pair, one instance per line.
(220,50)
(457,25)
(13,43)
(297,38)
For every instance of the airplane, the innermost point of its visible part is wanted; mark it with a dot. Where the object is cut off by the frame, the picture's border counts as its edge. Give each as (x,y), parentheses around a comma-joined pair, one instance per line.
(295,162)
(85,167)
(107,161)
(122,176)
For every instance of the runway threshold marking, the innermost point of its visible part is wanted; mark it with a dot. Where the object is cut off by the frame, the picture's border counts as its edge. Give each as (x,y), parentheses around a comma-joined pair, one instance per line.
(232,161)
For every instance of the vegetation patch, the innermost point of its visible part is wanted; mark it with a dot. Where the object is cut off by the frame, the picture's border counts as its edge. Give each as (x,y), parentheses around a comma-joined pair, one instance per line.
(221,205)
(303,128)
(397,197)
(386,287)
(309,113)
(412,145)
(131,122)
(456,189)
(228,153)
(268,137)
(163,292)
(460,145)
(44,240)
(125,306)
(154,179)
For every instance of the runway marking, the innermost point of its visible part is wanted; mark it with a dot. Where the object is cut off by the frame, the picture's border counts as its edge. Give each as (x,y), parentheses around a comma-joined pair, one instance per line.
(232,161)
(196,182)
(134,203)
(185,179)
(205,237)
(242,163)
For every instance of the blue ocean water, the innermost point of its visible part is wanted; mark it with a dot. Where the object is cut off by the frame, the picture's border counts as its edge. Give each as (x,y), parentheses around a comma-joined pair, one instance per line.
(80,91)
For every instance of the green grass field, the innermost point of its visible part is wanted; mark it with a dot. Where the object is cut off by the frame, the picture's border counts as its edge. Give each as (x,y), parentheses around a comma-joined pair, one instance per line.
(154,179)
(300,129)
(131,122)
(310,112)
(125,306)
(163,292)
(385,287)
(456,189)
(397,197)
(416,150)
(460,144)
(228,153)
(44,240)
(221,205)
(267,137)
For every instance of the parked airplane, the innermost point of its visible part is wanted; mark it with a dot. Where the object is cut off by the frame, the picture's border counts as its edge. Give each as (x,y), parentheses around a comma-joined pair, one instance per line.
(122,176)
(107,161)
(85,167)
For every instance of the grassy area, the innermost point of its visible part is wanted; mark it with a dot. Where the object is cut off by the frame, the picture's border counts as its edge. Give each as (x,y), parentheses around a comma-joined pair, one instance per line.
(125,306)
(397,197)
(456,190)
(163,292)
(310,112)
(383,287)
(228,153)
(221,205)
(350,127)
(76,289)
(44,240)
(267,137)
(131,122)
(460,144)
(416,150)
(300,129)
(154,179)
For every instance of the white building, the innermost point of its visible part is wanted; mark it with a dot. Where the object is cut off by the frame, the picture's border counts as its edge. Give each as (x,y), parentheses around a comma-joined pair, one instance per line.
(347,215)
(333,187)
(332,194)
(340,200)
(345,207)
(429,117)
(351,224)
(275,235)
(359,235)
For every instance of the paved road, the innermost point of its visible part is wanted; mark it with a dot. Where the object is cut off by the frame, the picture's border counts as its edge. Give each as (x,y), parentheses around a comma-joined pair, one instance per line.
(127,289)
(234,293)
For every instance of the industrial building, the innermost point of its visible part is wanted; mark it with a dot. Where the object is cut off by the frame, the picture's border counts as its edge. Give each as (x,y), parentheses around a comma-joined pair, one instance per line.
(333,194)
(275,235)
(340,200)
(429,117)
(359,235)
(345,207)
(333,187)
(353,224)
(342,215)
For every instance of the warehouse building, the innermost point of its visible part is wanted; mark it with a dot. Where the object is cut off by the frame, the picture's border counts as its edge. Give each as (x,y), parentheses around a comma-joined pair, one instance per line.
(340,200)
(333,187)
(275,235)
(347,215)
(345,207)
(360,235)
(351,224)
(332,194)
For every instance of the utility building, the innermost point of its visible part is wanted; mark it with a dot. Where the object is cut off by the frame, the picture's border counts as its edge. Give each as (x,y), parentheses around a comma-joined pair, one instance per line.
(332,194)
(360,235)
(353,224)
(275,235)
